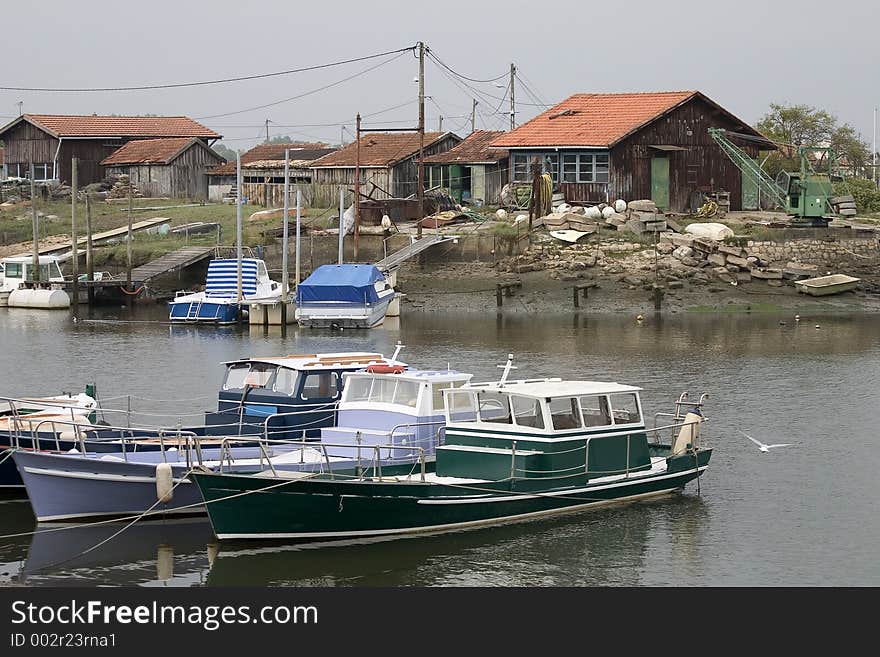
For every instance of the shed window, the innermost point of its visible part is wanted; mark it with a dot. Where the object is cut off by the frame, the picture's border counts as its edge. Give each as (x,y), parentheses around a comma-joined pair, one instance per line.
(591,167)
(625,408)
(595,411)
(565,413)
(522,166)
(42,171)
(494,407)
(527,411)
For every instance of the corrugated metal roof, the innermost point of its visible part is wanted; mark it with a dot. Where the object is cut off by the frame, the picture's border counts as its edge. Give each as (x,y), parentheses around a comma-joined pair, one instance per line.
(593,119)
(151,151)
(119,126)
(380,149)
(474,149)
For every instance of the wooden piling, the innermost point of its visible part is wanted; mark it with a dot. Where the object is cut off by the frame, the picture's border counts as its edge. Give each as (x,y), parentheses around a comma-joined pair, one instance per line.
(90,265)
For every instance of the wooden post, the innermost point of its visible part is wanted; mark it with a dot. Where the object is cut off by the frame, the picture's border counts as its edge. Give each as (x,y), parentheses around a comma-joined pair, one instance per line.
(128,297)
(499,299)
(73,238)
(577,302)
(90,265)
(285,278)
(658,297)
(421,190)
(536,190)
(35,263)
(357,189)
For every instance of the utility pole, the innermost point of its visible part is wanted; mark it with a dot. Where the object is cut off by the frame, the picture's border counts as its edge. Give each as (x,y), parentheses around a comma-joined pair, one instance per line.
(512,101)
(421,190)
(342,135)
(357,188)
(267,131)
(73,240)
(35,269)
(284,275)
(440,123)
(474,115)
(874,149)
(20,103)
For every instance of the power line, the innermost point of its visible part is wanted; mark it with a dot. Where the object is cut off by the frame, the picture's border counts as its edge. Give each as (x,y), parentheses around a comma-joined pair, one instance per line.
(316,125)
(456,73)
(209,82)
(302,95)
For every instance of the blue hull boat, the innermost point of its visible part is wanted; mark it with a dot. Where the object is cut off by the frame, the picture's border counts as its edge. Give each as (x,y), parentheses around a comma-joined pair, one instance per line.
(344,296)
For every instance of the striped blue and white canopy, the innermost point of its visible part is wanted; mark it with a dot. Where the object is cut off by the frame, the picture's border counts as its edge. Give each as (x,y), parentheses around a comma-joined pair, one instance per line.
(223,277)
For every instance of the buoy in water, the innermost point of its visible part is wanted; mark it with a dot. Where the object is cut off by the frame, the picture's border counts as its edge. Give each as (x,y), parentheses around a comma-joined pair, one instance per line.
(817,326)
(797,318)
(639,318)
(164,484)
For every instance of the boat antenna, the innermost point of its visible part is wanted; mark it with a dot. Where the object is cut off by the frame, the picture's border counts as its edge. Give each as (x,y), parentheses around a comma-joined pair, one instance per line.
(507,367)
(397,350)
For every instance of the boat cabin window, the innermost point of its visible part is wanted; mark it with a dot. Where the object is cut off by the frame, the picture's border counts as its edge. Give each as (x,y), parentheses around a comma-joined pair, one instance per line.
(12,270)
(262,274)
(494,407)
(625,408)
(382,389)
(460,406)
(527,411)
(595,411)
(49,271)
(235,376)
(437,393)
(259,374)
(285,381)
(357,388)
(565,413)
(407,393)
(320,385)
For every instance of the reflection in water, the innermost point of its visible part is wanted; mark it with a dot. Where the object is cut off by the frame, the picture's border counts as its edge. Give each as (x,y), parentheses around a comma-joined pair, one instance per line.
(803,517)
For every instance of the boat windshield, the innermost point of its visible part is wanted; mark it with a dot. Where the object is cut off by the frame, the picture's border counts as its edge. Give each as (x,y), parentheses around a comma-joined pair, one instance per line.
(565,413)
(254,375)
(625,408)
(384,390)
(285,381)
(437,393)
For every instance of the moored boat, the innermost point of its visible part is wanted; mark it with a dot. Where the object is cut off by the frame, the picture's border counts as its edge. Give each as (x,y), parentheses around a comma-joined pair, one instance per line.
(16,290)
(825,285)
(513,450)
(388,421)
(344,296)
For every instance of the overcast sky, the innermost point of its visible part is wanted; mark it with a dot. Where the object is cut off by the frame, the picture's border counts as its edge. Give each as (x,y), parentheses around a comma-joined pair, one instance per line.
(743,54)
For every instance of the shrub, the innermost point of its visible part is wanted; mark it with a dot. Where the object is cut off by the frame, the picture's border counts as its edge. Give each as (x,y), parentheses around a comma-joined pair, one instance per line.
(864,191)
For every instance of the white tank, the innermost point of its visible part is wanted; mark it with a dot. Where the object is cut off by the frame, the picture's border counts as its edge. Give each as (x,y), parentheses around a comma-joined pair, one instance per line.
(26,298)
(620,206)
(394,307)
(593,212)
(501,213)
(607,211)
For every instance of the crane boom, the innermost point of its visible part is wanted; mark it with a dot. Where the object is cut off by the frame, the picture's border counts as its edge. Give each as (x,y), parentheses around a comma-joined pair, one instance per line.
(749,167)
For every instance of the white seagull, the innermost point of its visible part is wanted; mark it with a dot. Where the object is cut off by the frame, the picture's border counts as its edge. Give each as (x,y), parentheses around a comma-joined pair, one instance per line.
(762,446)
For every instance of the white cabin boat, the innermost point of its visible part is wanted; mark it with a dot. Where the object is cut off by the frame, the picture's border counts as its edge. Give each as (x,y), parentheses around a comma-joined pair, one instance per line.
(16,270)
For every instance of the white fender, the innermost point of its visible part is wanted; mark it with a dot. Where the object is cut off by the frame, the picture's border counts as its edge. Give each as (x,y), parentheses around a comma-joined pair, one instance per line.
(164,483)
(688,434)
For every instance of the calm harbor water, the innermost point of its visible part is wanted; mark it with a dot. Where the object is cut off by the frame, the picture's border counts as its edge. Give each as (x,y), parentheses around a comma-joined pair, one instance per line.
(801,515)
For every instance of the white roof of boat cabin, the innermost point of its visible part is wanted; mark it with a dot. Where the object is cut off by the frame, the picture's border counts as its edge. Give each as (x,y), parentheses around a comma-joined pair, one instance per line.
(421,375)
(346,359)
(28,259)
(544,388)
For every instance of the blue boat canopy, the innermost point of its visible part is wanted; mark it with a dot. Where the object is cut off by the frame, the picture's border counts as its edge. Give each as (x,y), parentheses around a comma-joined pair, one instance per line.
(347,283)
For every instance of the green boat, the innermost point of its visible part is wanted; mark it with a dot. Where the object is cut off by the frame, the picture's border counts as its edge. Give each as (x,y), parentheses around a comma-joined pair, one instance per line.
(512,451)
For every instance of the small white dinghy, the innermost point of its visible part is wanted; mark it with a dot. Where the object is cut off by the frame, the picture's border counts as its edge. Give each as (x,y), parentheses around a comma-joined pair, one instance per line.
(824,285)
(568,235)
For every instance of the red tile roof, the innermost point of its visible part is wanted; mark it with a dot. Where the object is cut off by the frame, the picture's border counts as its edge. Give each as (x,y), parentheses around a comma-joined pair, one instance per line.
(152,151)
(379,149)
(594,119)
(120,126)
(275,152)
(475,149)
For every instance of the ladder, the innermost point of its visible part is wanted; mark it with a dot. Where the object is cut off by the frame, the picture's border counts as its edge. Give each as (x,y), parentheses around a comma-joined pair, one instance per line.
(749,167)
(190,315)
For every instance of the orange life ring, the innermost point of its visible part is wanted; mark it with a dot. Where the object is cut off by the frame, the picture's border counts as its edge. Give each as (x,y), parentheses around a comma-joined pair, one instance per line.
(386,369)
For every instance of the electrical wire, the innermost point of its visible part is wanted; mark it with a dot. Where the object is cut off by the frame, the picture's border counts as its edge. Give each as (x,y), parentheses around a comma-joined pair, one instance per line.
(178,85)
(431,54)
(304,94)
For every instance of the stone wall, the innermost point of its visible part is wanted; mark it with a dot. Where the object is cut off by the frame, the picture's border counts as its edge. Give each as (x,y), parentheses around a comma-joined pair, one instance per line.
(819,252)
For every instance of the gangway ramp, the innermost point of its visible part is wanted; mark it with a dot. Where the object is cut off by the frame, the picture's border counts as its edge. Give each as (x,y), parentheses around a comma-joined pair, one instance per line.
(170,262)
(411,250)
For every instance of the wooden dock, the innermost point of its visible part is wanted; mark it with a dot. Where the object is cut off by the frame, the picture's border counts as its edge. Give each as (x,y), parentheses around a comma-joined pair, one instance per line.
(97,238)
(170,262)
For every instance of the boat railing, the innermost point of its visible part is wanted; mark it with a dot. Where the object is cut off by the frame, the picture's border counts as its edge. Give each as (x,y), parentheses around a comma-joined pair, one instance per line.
(314,424)
(327,457)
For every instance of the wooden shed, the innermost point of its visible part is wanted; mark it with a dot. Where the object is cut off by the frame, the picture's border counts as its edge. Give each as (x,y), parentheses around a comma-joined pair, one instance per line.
(263,172)
(473,171)
(601,147)
(388,161)
(175,167)
(50,141)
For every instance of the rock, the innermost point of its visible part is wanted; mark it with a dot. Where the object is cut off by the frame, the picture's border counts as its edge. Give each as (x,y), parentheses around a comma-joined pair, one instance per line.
(723,274)
(732,268)
(717,259)
(699,278)
(730,250)
(682,252)
(631,280)
(736,260)
(743,277)
(634,226)
(642,206)
(715,288)
(681,240)
(690,262)
(674,285)
(665,248)
(766,274)
(577,209)
(774,282)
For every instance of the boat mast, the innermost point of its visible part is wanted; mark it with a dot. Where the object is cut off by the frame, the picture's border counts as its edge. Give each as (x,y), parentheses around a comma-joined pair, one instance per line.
(238,222)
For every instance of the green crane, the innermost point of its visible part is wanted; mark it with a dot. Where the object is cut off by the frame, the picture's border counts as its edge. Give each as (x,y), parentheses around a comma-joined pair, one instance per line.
(804,195)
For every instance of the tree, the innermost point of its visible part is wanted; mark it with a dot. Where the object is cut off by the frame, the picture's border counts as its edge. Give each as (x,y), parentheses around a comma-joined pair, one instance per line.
(792,126)
(285,139)
(224,151)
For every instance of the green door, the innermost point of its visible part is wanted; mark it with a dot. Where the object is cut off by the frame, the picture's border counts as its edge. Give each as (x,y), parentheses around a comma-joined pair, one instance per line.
(749,192)
(455,186)
(660,182)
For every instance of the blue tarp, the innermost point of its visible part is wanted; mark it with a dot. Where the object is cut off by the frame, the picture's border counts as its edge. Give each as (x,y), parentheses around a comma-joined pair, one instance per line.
(348,283)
